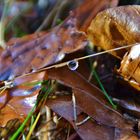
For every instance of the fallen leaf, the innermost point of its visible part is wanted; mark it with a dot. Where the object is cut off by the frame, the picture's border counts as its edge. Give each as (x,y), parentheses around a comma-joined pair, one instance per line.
(10,127)
(88,93)
(89,129)
(18,101)
(130,66)
(89,9)
(74,136)
(38,50)
(129,105)
(25,56)
(115,27)
(124,135)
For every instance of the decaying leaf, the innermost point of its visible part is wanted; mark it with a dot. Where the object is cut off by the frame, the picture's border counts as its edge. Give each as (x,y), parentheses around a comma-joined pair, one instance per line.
(124,135)
(10,127)
(116,27)
(42,51)
(130,66)
(90,128)
(17,102)
(130,106)
(32,52)
(89,9)
(88,93)
(110,29)
(29,54)
(63,107)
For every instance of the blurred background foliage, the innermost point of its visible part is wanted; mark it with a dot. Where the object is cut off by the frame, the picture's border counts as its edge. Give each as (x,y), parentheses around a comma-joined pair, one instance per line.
(21,17)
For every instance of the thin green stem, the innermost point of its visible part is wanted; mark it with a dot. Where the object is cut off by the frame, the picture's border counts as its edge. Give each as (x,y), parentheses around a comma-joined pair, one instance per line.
(102,88)
(33,127)
(20,129)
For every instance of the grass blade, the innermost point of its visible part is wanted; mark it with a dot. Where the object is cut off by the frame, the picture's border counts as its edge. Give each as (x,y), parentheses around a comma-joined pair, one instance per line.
(33,127)
(21,128)
(102,88)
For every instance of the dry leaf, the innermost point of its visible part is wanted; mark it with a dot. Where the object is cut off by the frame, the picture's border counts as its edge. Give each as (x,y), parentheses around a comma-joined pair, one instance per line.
(42,49)
(38,50)
(27,55)
(129,105)
(89,129)
(88,93)
(130,66)
(89,9)
(17,102)
(116,27)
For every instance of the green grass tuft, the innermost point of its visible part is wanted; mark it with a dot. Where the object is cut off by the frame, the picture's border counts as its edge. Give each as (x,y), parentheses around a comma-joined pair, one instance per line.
(46,90)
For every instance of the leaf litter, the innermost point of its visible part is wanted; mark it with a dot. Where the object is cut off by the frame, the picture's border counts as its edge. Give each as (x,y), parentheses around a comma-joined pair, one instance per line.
(89,113)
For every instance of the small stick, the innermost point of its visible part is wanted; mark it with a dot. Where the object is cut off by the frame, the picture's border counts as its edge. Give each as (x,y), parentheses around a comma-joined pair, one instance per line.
(67,63)
(83,121)
(74,107)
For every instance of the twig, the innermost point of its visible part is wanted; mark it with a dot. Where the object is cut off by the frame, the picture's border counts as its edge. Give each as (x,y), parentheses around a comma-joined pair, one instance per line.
(74,107)
(67,63)
(83,121)
(76,59)
(48,117)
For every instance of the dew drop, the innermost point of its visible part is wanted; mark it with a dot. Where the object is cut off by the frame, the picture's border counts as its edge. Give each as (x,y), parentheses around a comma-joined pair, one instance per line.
(73,65)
